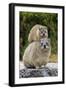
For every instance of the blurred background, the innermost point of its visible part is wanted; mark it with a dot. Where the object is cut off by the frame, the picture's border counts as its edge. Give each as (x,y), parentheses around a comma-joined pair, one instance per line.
(29,19)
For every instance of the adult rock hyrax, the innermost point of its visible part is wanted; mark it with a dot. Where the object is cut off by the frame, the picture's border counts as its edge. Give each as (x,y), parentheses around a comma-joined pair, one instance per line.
(37,53)
(37,32)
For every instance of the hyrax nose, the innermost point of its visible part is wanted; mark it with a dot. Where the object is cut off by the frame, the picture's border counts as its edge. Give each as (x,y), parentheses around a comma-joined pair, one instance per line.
(43,34)
(44,46)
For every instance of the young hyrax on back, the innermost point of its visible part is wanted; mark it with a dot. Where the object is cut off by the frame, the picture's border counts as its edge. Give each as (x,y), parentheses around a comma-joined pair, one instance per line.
(37,32)
(37,53)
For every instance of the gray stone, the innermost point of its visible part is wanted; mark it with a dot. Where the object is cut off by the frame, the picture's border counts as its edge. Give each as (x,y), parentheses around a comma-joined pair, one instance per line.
(51,69)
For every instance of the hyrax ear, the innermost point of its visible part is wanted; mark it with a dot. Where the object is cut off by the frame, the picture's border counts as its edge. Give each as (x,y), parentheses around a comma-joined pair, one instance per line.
(37,34)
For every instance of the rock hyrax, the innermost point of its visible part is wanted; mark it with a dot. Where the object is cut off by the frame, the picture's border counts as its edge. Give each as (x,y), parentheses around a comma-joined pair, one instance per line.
(37,53)
(37,32)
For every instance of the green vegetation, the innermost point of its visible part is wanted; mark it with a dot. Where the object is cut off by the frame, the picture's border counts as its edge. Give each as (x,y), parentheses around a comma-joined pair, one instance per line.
(29,19)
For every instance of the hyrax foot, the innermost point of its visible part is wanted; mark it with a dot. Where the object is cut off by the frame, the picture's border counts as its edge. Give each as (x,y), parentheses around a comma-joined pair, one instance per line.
(29,66)
(37,67)
(42,66)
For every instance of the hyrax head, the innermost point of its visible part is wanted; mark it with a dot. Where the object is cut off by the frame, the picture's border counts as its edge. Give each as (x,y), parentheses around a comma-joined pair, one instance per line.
(45,43)
(43,32)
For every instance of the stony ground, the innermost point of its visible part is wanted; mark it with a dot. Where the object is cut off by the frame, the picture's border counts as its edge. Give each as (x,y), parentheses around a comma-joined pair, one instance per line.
(51,69)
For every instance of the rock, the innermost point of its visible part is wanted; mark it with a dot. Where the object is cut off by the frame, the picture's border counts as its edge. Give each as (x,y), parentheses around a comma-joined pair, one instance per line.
(51,69)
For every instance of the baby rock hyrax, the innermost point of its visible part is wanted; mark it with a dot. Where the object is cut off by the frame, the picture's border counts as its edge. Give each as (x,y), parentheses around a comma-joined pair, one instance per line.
(37,53)
(37,32)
